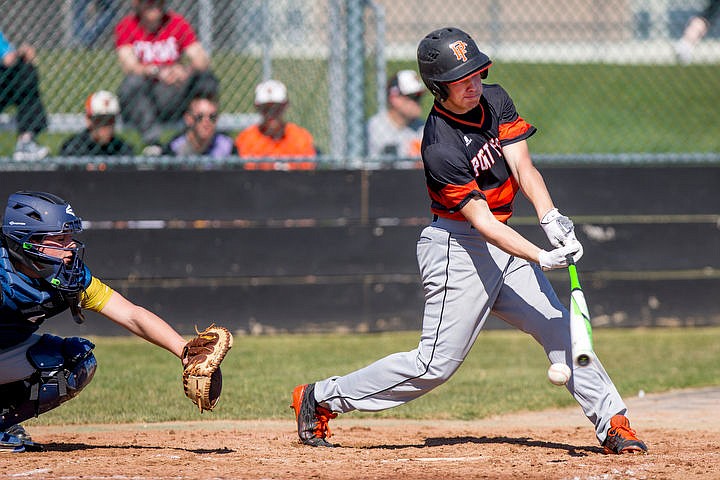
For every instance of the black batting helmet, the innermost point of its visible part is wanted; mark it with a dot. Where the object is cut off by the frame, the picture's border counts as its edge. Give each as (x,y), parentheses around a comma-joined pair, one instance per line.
(447,55)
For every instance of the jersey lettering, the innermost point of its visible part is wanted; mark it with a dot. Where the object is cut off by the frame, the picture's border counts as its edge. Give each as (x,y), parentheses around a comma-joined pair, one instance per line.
(163,51)
(495,144)
(485,159)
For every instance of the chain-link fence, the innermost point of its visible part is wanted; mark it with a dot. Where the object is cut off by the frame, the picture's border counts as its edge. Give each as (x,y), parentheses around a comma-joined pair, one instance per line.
(595,77)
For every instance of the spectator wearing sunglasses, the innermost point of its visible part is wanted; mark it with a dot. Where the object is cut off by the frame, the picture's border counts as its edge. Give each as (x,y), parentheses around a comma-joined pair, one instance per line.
(201,136)
(397,131)
(101,111)
(274,137)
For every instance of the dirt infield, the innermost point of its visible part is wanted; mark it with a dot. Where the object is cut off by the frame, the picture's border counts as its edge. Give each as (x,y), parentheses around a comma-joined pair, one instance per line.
(682,430)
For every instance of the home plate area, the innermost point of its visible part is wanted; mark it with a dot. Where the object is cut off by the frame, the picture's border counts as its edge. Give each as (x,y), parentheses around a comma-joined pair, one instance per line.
(681,429)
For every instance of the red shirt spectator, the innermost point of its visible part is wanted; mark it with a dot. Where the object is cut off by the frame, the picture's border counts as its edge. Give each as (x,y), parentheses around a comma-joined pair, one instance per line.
(162,47)
(164,65)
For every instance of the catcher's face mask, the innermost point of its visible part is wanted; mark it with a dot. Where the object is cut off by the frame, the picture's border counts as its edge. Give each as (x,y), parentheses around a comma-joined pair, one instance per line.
(38,229)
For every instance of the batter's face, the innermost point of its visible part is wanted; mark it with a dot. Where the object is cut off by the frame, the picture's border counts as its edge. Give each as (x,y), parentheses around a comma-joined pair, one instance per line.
(464,95)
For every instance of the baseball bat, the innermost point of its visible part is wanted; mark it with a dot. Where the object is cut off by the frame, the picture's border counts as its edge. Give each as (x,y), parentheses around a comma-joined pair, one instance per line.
(580,326)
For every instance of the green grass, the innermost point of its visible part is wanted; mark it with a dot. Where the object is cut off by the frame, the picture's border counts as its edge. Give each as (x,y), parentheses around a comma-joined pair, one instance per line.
(612,109)
(582,108)
(505,372)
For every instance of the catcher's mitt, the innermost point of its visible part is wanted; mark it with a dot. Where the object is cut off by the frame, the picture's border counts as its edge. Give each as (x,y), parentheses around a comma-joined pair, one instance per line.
(202,378)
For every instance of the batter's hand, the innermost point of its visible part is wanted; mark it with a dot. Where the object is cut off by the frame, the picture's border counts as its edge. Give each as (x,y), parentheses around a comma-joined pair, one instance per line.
(559,229)
(558,258)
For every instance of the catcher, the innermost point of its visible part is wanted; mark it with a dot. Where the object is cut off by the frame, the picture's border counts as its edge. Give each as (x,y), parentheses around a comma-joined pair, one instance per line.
(41,275)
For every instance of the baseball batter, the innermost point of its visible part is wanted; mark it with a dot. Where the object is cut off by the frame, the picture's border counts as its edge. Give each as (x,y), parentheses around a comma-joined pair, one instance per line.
(472,263)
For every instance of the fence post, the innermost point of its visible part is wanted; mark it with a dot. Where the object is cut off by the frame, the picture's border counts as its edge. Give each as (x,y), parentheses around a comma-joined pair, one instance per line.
(355,81)
(267,35)
(205,24)
(336,82)
(380,64)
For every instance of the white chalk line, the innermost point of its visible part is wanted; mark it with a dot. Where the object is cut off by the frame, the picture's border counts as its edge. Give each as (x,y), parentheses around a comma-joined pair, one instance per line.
(436,459)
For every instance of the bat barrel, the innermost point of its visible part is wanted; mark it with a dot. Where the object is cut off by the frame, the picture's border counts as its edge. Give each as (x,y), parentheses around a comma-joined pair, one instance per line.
(580,326)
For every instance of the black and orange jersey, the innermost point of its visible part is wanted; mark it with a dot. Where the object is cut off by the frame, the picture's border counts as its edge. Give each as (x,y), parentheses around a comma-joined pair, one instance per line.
(462,154)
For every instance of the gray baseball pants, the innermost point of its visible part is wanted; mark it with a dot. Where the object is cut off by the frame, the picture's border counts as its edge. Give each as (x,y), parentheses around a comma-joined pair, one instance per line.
(465,279)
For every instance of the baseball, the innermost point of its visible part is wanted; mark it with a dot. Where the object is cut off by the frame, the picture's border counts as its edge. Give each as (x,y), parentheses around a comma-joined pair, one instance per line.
(559,374)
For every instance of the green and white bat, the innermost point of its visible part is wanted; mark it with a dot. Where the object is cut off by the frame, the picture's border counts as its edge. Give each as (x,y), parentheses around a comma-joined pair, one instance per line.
(580,326)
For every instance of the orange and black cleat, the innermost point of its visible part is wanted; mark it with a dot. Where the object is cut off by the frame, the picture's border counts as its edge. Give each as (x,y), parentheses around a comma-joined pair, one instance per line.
(312,419)
(621,438)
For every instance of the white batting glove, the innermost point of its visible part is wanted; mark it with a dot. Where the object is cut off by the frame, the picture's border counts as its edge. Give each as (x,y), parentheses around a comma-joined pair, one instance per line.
(558,258)
(559,229)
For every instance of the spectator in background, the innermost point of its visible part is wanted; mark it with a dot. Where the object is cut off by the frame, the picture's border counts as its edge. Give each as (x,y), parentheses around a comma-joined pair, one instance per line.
(274,137)
(19,86)
(696,29)
(86,33)
(101,111)
(397,131)
(201,136)
(152,43)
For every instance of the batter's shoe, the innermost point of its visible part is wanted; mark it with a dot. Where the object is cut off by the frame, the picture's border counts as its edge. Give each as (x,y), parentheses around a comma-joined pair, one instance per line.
(312,419)
(621,438)
(10,444)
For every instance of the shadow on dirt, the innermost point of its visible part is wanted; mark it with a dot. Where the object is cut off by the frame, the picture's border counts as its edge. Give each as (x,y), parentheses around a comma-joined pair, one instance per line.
(572,450)
(75,447)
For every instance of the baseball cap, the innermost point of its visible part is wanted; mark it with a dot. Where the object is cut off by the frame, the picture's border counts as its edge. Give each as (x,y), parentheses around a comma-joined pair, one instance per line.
(102,103)
(406,82)
(270,91)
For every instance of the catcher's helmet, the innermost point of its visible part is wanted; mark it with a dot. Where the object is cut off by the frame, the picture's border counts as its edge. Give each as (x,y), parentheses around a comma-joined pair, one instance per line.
(29,217)
(447,55)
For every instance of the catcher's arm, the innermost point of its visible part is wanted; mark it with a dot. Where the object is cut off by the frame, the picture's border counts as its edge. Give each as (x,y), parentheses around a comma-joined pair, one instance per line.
(201,358)
(136,319)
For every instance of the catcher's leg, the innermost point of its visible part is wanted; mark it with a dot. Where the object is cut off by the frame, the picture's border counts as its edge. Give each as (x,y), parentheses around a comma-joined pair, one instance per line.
(63,367)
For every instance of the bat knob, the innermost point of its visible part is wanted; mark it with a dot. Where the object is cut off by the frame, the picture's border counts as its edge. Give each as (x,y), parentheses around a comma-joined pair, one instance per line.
(583,360)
